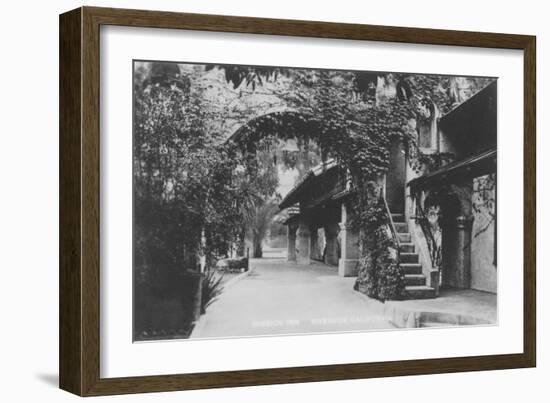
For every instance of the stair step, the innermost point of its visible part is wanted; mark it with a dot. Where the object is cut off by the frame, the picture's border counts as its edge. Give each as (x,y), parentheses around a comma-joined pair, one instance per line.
(406,257)
(411,268)
(419,292)
(407,247)
(397,217)
(404,237)
(401,227)
(415,279)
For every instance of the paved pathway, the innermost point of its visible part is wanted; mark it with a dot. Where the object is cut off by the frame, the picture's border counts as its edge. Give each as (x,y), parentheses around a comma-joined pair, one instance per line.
(279,297)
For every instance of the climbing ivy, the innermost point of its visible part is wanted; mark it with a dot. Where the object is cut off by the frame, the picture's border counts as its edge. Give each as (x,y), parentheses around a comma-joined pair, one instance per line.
(339,112)
(358,131)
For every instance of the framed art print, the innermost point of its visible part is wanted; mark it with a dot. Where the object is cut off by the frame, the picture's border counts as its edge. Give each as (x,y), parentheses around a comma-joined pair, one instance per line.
(250,201)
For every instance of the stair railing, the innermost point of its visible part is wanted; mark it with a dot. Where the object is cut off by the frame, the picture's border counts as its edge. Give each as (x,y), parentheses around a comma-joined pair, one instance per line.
(393,231)
(433,247)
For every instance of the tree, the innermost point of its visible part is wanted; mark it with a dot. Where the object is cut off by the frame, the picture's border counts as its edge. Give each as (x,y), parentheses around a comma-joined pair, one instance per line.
(182,175)
(188,176)
(259,224)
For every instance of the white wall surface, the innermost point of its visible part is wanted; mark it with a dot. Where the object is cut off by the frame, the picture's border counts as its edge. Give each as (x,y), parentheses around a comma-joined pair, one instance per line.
(29,201)
(484,272)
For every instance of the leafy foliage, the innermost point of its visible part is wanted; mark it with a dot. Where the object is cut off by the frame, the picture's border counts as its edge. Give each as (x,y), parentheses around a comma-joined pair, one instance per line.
(250,76)
(196,193)
(259,223)
(379,274)
(211,288)
(340,112)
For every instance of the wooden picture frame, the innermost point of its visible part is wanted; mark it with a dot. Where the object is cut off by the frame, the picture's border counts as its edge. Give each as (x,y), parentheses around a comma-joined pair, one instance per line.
(79,348)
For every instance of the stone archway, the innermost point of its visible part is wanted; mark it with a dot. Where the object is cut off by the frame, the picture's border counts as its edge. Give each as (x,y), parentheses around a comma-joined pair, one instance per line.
(284,139)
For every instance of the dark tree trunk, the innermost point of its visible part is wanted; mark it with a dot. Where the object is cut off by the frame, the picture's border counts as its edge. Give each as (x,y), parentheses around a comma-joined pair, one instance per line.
(240,242)
(257,247)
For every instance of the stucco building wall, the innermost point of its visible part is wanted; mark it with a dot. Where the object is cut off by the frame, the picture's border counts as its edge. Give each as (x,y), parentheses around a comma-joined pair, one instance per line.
(483,267)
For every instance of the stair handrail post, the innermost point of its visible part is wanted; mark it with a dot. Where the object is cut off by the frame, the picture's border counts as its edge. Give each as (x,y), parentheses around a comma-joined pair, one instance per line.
(392,228)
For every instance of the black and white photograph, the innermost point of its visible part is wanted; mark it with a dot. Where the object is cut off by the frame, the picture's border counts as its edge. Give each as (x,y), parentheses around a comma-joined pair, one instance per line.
(272,200)
(264,202)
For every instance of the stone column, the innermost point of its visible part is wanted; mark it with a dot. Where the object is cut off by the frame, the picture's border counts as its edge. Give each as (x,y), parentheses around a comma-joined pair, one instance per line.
(313,243)
(463,242)
(315,252)
(303,243)
(457,236)
(331,235)
(291,242)
(349,247)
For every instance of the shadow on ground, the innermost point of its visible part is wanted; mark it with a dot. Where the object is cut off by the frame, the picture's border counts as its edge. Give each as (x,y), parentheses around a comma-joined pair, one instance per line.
(49,379)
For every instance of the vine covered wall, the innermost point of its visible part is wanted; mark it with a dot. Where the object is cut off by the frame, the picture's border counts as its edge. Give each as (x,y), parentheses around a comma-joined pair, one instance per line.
(221,179)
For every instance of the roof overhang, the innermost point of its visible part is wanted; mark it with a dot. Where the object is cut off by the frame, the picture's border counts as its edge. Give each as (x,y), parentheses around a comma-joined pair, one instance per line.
(307,180)
(478,165)
(463,110)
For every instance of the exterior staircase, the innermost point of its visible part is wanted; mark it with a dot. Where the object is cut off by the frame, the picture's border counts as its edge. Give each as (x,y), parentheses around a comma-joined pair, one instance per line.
(415,281)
